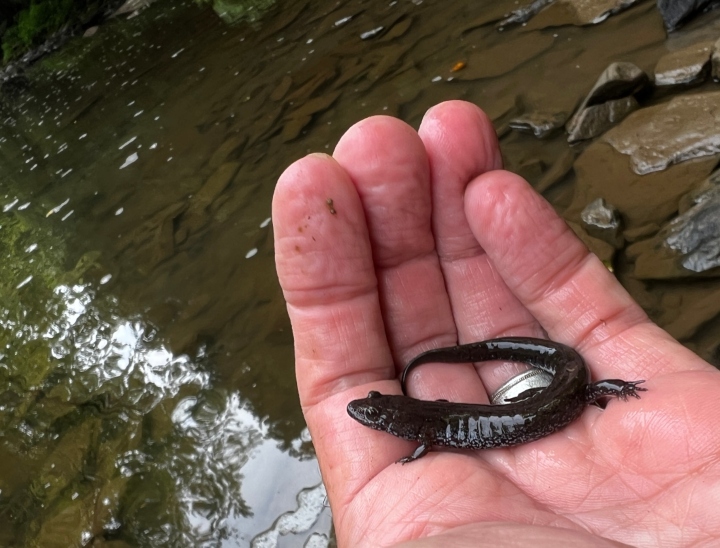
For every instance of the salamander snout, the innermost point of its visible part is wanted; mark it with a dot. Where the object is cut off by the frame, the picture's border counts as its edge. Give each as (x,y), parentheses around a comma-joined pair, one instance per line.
(366,412)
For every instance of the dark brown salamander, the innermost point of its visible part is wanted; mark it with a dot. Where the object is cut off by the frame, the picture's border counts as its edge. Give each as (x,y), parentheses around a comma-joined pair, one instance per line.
(534,414)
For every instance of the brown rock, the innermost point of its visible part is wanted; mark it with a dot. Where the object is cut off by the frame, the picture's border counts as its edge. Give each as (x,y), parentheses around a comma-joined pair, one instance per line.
(231,147)
(643,199)
(538,123)
(578,12)
(686,246)
(282,88)
(658,136)
(602,220)
(618,81)
(597,119)
(685,66)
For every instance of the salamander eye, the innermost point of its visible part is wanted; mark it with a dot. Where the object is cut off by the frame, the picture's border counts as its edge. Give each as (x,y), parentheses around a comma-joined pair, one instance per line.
(374,394)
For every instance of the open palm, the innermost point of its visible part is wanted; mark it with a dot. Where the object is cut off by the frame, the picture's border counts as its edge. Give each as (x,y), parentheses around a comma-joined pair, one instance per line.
(403,242)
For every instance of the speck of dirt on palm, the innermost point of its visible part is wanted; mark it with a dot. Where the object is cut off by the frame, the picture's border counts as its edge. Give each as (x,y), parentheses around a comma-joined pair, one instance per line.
(331,207)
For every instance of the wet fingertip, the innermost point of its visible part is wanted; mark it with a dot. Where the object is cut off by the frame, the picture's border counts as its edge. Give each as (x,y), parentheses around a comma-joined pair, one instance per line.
(455,118)
(367,138)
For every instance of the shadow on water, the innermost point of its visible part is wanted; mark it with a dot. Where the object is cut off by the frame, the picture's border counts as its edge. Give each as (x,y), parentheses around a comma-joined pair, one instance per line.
(147,391)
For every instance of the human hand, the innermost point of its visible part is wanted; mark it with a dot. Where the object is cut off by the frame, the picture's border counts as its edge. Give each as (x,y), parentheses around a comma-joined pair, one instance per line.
(400,243)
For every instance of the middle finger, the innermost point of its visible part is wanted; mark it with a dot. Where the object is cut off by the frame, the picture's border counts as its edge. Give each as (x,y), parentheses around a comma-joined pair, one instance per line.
(387,162)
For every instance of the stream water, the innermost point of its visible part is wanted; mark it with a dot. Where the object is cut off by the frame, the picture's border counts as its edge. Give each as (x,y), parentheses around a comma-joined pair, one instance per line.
(147,390)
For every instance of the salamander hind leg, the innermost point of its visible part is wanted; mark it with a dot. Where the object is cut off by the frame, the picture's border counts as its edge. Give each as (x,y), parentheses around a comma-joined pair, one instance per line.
(614,387)
(419,452)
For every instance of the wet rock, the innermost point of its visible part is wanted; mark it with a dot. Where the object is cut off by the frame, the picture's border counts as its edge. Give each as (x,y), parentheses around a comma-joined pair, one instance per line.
(716,61)
(302,116)
(372,33)
(398,29)
(596,120)
(90,32)
(540,124)
(619,80)
(150,230)
(686,66)
(131,6)
(687,245)
(294,126)
(602,220)
(497,11)
(265,125)
(658,136)
(318,104)
(504,57)
(196,216)
(676,12)
(699,194)
(578,12)
(322,74)
(215,185)
(524,14)
(283,87)
(339,19)
(350,68)
(389,57)
(494,11)
(643,199)
(230,149)
(284,19)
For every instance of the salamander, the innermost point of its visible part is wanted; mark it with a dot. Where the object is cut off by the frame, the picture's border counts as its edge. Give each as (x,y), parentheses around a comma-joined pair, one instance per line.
(533,414)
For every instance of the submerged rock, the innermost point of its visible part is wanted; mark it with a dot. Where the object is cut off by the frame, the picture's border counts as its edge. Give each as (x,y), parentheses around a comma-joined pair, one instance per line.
(676,12)
(602,172)
(130,6)
(661,135)
(699,194)
(716,60)
(602,220)
(524,14)
(579,12)
(685,66)
(493,11)
(687,245)
(608,102)
(540,124)
(596,120)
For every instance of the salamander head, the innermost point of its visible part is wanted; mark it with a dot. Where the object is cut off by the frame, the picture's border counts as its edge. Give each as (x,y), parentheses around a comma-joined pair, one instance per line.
(372,411)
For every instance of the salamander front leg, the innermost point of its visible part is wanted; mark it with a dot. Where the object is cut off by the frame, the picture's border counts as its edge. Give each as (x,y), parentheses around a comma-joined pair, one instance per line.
(614,387)
(419,452)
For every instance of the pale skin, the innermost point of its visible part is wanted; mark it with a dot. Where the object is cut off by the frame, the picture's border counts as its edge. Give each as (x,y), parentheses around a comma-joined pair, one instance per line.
(432,244)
